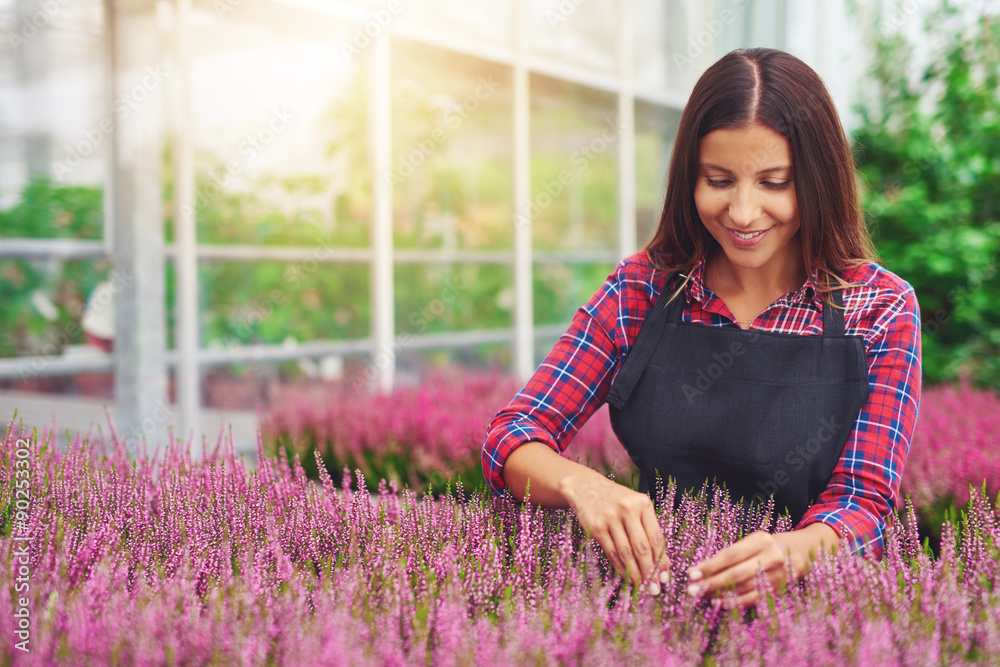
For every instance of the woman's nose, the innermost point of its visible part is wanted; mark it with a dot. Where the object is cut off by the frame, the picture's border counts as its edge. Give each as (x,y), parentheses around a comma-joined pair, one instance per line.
(744,209)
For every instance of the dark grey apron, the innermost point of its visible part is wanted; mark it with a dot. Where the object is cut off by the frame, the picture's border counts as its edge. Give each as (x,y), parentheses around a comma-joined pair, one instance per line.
(763,413)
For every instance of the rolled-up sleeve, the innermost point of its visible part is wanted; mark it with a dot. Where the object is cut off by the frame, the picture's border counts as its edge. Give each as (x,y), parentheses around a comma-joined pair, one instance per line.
(860,500)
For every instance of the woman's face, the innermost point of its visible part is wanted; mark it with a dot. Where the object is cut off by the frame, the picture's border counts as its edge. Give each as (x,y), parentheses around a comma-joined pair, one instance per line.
(745,197)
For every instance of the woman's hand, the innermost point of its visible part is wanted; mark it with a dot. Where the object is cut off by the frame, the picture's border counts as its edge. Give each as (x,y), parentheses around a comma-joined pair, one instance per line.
(621,520)
(624,523)
(735,567)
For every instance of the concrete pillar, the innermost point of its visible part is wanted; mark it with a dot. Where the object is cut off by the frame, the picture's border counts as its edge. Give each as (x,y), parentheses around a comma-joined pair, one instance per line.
(185,263)
(383,299)
(626,132)
(524,324)
(139,79)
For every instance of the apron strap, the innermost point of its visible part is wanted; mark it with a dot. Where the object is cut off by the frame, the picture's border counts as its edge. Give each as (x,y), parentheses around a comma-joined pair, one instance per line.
(649,336)
(833,317)
(643,347)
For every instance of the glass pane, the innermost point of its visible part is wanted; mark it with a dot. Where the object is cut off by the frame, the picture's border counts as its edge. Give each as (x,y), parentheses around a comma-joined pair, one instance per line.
(53,123)
(584,34)
(574,157)
(44,301)
(434,299)
(452,160)
(442,298)
(677,40)
(744,23)
(693,34)
(279,126)
(560,289)
(53,134)
(765,24)
(652,42)
(245,303)
(476,21)
(656,129)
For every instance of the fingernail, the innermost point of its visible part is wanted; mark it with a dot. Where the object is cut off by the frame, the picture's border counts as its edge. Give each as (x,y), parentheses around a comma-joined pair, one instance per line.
(654,589)
(695,575)
(694,591)
(665,578)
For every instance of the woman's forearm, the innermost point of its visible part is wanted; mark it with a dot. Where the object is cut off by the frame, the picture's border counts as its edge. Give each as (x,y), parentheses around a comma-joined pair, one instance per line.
(544,474)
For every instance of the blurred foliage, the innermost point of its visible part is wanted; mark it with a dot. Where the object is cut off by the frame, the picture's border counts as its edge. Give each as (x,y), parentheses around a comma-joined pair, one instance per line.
(265,301)
(47,212)
(268,301)
(400,464)
(930,168)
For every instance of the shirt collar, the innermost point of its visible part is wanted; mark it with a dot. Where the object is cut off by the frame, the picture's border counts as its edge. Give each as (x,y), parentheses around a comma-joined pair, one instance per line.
(696,290)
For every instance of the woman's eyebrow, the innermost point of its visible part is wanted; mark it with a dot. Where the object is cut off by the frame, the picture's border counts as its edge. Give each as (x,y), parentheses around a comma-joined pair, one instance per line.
(707,165)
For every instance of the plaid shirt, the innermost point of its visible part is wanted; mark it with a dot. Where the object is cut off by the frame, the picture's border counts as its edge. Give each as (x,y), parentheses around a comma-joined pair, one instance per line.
(575,377)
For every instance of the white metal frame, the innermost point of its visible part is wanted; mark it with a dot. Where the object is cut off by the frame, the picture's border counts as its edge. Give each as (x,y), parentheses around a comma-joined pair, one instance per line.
(186,253)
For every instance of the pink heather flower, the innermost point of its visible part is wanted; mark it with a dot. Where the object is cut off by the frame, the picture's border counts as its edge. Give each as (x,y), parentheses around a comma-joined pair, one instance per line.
(176,560)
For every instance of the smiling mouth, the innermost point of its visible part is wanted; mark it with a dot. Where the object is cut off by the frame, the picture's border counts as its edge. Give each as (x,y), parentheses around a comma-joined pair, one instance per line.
(747,236)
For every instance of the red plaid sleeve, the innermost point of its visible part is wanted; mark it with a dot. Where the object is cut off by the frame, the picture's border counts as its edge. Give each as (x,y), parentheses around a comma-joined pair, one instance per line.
(575,377)
(863,493)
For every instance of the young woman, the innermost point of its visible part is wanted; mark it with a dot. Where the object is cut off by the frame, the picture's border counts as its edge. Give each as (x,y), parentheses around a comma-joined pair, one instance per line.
(753,342)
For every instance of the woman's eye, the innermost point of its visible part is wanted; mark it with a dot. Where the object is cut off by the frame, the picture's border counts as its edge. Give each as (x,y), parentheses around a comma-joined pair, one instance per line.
(725,183)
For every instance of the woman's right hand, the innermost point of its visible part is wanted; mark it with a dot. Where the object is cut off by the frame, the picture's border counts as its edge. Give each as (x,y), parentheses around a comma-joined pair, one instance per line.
(624,523)
(621,520)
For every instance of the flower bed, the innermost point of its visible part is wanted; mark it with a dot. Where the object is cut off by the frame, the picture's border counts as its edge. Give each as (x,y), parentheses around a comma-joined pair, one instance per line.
(201,562)
(956,446)
(425,437)
(429,436)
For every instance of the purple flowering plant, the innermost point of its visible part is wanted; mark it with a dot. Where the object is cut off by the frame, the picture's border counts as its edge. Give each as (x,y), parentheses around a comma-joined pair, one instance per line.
(178,559)
(429,436)
(421,437)
(956,449)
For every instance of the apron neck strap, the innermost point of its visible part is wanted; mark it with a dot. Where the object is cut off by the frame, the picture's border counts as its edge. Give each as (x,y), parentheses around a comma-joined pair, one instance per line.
(833,316)
(674,308)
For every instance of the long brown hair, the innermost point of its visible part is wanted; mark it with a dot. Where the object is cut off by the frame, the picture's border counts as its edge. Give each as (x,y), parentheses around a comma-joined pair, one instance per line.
(777,90)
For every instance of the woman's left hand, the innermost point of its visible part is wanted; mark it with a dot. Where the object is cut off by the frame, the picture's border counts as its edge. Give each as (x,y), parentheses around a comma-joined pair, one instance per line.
(735,567)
